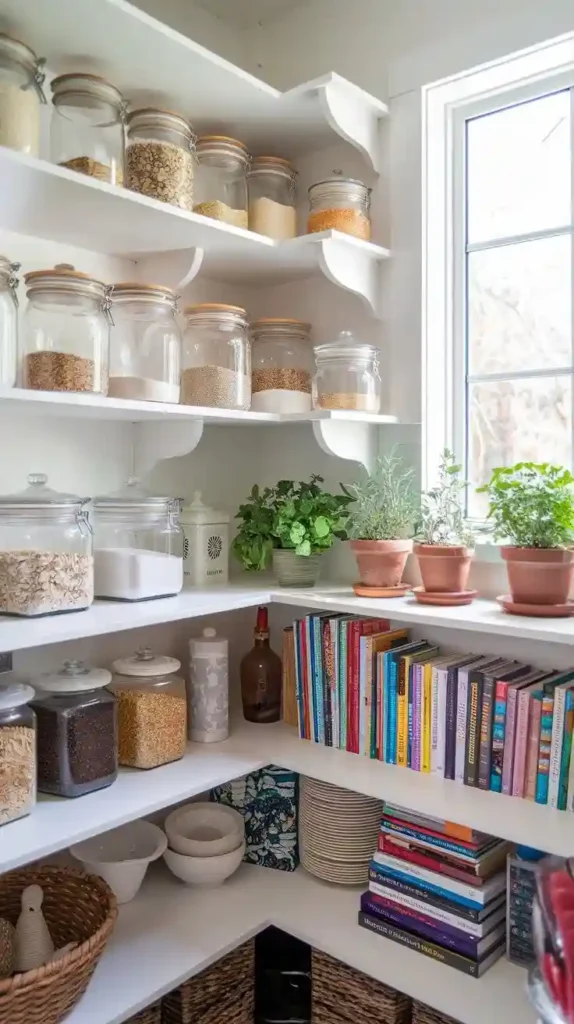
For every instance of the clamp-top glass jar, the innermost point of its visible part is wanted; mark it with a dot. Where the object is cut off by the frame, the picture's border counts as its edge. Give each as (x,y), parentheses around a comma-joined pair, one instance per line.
(66,336)
(152,709)
(17,749)
(216,362)
(159,156)
(46,563)
(87,131)
(138,545)
(221,179)
(347,375)
(340,204)
(8,322)
(21,80)
(145,353)
(272,197)
(282,363)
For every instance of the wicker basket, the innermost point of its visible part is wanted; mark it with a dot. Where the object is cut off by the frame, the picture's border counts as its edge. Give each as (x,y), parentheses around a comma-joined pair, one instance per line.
(423,1014)
(221,994)
(78,908)
(151,1015)
(342,995)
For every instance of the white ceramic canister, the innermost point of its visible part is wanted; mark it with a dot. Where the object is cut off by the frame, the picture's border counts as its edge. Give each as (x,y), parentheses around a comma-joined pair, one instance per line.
(208,688)
(206,544)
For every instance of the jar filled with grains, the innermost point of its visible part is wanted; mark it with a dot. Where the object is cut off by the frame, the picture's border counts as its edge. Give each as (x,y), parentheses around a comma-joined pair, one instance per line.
(46,563)
(87,129)
(282,366)
(159,156)
(347,375)
(17,749)
(77,730)
(65,341)
(272,197)
(145,351)
(340,204)
(152,709)
(21,80)
(8,322)
(216,361)
(221,179)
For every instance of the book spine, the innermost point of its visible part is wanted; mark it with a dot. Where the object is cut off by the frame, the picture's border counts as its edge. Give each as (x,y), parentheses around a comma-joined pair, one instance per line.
(474,710)
(566,752)
(393,710)
(380,716)
(426,718)
(420,904)
(533,746)
(460,892)
(306,686)
(544,749)
(424,860)
(319,684)
(353,687)
(461,712)
(520,747)
(426,928)
(432,840)
(450,723)
(570,785)
(334,668)
(298,681)
(509,741)
(486,730)
(556,745)
(402,891)
(498,736)
(371,717)
(364,646)
(310,679)
(410,691)
(402,710)
(436,953)
(438,713)
(343,688)
(418,727)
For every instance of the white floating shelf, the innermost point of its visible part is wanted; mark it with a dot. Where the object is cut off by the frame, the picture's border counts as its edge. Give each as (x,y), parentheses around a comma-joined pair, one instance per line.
(152,64)
(170,932)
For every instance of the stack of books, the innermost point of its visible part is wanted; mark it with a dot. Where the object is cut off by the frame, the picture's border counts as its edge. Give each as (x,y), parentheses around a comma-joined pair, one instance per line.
(438,888)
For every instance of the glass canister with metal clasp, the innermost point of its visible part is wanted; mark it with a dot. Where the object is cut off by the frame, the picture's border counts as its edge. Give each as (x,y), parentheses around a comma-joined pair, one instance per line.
(21,94)
(145,354)
(347,375)
(216,357)
(221,179)
(87,129)
(340,204)
(160,160)
(282,365)
(272,198)
(8,322)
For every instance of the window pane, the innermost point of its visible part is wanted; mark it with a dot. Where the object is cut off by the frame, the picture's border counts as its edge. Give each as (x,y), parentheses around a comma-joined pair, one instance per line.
(514,420)
(518,176)
(519,307)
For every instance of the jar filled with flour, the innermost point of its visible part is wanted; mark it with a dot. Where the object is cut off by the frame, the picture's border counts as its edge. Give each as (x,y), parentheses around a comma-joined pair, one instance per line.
(205,545)
(21,80)
(138,545)
(272,197)
(208,690)
(145,343)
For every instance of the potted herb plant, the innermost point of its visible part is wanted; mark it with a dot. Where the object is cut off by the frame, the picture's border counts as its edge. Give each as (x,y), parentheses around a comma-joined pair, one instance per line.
(381,525)
(290,525)
(445,543)
(532,509)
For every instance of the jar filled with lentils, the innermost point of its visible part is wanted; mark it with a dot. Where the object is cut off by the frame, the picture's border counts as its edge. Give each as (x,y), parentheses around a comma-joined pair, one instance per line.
(347,375)
(160,157)
(87,130)
(340,204)
(282,366)
(65,341)
(216,361)
(8,321)
(76,730)
(152,709)
(221,179)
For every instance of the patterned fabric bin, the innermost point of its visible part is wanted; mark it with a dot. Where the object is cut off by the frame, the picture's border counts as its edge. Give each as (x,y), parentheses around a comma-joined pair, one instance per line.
(342,995)
(221,994)
(151,1015)
(426,1015)
(267,799)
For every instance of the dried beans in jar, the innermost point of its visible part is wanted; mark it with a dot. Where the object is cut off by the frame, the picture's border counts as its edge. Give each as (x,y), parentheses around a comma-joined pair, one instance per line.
(340,204)
(282,366)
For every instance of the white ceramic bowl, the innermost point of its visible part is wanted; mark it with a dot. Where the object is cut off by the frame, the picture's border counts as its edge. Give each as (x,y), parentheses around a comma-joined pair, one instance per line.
(204,829)
(204,870)
(121,857)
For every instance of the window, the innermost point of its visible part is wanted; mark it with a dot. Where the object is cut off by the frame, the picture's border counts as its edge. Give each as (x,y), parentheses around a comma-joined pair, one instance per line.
(499,224)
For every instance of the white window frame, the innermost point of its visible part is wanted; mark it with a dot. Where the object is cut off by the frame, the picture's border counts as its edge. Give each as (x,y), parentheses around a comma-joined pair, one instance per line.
(446,107)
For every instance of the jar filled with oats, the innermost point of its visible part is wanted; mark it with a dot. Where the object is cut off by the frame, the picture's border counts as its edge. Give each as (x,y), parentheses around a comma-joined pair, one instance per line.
(17,749)
(21,80)
(65,341)
(221,179)
(87,128)
(8,322)
(282,365)
(272,198)
(216,361)
(340,204)
(160,158)
(152,709)
(347,375)
(46,563)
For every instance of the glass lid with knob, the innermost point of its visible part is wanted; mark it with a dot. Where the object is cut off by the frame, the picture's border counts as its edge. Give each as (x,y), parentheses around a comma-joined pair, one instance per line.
(37,495)
(134,496)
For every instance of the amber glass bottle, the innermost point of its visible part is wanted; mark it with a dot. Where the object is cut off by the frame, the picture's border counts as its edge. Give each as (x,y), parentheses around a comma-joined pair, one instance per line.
(261,676)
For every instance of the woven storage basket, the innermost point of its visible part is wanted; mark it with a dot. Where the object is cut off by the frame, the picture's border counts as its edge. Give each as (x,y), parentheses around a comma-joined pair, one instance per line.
(221,994)
(423,1014)
(78,908)
(342,995)
(151,1015)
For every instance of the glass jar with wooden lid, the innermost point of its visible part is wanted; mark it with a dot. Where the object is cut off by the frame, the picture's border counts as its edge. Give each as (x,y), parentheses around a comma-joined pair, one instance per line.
(65,340)
(87,128)
(145,350)
(21,93)
(347,375)
(272,198)
(340,204)
(8,321)
(282,365)
(216,362)
(221,179)
(160,158)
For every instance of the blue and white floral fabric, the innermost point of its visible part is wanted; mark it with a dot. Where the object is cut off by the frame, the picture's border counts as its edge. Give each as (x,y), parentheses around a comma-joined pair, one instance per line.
(267,799)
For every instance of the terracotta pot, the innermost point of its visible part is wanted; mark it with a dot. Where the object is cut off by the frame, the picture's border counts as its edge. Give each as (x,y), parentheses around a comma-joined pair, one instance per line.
(381,562)
(539,575)
(444,567)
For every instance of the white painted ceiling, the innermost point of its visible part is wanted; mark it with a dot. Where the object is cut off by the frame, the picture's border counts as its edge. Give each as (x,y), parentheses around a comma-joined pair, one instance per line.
(246,13)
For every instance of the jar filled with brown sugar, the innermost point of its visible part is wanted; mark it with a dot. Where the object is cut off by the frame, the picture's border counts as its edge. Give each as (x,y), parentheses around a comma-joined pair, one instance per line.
(340,204)
(87,127)
(216,360)
(347,375)
(160,160)
(282,365)
(221,179)
(152,709)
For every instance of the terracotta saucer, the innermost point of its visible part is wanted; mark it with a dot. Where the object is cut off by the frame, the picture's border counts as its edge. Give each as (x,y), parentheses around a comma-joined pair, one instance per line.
(453,598)
(536,611)
(363,591)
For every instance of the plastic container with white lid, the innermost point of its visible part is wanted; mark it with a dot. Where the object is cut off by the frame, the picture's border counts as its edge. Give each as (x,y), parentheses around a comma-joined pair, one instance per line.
(152,709)
(77,730)
(206,544)
(17,749)
(208,692)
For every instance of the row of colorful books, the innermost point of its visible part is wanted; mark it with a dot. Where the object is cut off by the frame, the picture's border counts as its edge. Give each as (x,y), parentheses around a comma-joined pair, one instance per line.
(487,722)
(438,888)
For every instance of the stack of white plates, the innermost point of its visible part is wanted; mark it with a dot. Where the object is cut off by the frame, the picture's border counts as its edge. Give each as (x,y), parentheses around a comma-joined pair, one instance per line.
(338,831)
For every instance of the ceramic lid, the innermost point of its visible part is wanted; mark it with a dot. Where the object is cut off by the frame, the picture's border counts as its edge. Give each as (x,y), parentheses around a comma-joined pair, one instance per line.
(13,695)
(208,643)
(73,677)
(197,514)
(145,663)
(38,494)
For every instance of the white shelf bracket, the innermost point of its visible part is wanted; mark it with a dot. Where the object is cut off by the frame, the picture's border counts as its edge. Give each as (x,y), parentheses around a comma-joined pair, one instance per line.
(155,440)
(175,269)
(356,121)
(355,271)
(355,441)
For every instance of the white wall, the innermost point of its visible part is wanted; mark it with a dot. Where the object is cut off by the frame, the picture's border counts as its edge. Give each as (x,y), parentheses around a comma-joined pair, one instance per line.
(201,26)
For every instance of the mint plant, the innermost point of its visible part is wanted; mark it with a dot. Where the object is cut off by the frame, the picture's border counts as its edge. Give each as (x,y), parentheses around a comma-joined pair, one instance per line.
(531,505)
